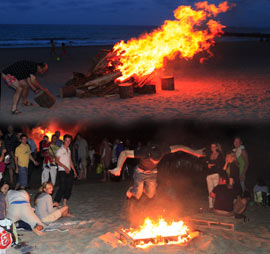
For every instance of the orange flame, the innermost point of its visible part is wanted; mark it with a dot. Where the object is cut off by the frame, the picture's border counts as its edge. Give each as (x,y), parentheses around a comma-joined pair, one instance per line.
(39,132)
(193,31)
(159,231)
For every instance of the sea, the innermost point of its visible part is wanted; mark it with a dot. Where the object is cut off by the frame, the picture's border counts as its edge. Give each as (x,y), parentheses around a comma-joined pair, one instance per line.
(34,35)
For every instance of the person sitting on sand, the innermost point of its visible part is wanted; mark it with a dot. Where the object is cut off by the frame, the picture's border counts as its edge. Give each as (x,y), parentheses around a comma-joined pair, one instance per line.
(145,175)
(231,167)
(4,222)
(44,205)
(21,75)
(224,199)
(19,208)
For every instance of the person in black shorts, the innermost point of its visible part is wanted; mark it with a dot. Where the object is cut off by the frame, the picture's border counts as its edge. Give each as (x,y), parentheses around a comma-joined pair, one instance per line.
(145,175)
(224,197)
(21,75)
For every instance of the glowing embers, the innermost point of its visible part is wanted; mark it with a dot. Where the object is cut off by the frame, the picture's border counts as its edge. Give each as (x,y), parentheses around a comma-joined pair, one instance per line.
(153,233)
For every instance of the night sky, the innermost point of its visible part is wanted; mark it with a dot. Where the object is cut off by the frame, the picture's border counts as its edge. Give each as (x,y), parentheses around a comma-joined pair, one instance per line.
(247,13)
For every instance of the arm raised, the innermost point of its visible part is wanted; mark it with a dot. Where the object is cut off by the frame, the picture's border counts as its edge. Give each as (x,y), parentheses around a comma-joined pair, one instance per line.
(198,153)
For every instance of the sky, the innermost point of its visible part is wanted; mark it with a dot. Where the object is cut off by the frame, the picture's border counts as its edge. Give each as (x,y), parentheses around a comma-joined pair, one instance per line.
(247,13)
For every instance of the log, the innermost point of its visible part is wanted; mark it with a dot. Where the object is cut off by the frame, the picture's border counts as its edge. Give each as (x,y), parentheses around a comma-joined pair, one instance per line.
(126,90)
(67,91)
(167,83)
(146,89)
(102,80)
(101,65)
(146,80)
(44,99)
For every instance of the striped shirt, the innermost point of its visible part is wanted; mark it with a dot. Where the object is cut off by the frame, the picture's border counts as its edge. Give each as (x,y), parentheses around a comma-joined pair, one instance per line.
(21,69)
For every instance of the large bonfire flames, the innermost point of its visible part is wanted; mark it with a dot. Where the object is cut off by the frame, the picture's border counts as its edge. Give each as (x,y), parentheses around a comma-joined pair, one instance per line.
(39,132)
(160,233)
(192,31)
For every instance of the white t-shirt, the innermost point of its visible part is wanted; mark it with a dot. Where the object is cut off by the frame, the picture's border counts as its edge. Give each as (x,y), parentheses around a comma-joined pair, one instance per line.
(64,156)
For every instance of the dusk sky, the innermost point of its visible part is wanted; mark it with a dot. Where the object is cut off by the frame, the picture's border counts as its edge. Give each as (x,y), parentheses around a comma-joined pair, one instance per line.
(249,13)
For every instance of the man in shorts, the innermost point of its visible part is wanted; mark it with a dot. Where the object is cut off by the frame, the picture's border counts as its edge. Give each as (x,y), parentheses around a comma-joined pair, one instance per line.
(20,76)
(145,175)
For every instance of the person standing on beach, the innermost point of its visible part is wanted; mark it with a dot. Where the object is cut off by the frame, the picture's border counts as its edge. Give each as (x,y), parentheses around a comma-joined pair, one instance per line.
(52,52)
(145,175)
(242,158)
(22,157)
(20,76)
(10,141)
(66,171)
(64,49)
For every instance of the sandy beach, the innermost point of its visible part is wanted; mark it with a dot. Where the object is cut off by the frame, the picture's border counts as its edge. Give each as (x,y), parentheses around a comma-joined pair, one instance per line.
(100,209)
(232,86)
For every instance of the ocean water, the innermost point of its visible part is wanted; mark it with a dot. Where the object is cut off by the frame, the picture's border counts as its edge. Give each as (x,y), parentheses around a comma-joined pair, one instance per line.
(21,36)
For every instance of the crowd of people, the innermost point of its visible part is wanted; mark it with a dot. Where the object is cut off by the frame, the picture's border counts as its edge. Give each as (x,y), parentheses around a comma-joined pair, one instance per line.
(63,160)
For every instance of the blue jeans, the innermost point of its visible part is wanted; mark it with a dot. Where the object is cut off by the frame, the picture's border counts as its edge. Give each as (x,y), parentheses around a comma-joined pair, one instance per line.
(23,176)
(143,182)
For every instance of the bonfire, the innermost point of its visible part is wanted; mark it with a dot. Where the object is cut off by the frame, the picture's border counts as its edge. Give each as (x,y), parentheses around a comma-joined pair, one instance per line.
(193,31)
(153,233)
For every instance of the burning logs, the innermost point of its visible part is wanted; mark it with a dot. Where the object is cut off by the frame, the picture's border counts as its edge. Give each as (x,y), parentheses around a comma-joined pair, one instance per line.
(126,90)
(102,80)
(44,99)
(167,83)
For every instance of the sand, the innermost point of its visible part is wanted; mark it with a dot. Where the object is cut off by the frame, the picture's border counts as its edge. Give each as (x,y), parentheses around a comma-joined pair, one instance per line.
(106,208)
(231,86)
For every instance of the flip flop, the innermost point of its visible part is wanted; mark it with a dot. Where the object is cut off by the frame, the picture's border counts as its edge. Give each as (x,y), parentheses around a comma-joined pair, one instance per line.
(15,112)
(27,103)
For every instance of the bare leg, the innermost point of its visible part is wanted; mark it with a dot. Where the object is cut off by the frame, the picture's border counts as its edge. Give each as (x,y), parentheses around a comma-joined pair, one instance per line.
(64,211)
(25,91)
(16,96)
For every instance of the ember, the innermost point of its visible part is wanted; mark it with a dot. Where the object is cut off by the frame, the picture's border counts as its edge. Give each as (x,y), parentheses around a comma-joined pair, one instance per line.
(158,233)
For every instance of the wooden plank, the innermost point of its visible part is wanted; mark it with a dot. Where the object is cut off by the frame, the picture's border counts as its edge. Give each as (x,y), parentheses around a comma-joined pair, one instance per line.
(213,224)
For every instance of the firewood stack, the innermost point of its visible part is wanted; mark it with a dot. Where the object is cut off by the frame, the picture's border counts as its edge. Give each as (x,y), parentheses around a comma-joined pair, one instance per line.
(100,80)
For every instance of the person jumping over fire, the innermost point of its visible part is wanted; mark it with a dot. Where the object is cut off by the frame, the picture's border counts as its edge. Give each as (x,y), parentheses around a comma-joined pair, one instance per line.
(145,175)
(20,76)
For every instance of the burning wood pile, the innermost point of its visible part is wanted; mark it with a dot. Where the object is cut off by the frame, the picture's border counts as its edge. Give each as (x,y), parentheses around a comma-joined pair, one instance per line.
(157,233)
(132,64)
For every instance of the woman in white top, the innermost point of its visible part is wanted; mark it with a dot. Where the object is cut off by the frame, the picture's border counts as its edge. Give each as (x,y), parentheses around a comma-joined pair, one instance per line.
(44,205)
